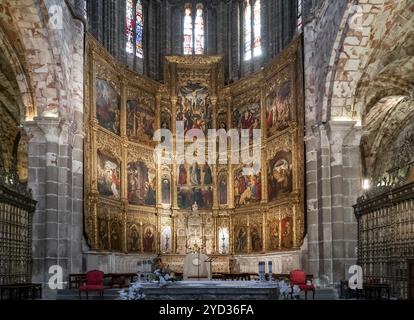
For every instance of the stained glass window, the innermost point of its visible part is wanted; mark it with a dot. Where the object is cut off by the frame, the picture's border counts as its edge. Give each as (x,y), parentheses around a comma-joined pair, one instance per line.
(247,31)
(139,28)
(199,30)
(300,22)
(188,30)
(134,27)
(129,26)
(257,23)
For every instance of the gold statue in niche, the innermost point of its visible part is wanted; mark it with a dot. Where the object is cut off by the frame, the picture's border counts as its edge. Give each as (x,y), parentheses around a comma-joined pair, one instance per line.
(142,191)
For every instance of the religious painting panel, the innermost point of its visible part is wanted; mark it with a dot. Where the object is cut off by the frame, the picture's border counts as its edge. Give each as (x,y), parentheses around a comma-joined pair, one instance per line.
(166,189)
(108,106)
(240,239)
(222,188)
(140,121)
(116,235)
(195,174)
(256,239)
(141,184)
(103,233)
(247,188)
(195,197)
(222,120)
(166,239)
(279,108)
(165,120)
(273,234)
(149,241)
(108,175)
(134,238)
(247,117)
(287,232)
(194,107)
(279,175)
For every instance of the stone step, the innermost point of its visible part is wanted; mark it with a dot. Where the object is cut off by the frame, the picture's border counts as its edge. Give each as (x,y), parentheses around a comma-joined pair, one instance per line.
(73,294)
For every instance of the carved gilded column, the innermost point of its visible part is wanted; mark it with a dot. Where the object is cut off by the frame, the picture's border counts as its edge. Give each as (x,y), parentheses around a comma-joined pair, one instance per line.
(124,209)
(264,145)
(216,224)
(214,167)
(158,98)
(230,181)
(231,235)
(158,238)
(173,233)
(158,167)
(249,242)
(124,164)
(174,184)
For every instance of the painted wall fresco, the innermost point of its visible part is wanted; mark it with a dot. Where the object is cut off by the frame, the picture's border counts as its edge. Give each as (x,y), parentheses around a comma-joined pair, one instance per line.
(109,183)
(142,184)
(279,181)
(194,107)
(279,108)
(108,106)
(140,121)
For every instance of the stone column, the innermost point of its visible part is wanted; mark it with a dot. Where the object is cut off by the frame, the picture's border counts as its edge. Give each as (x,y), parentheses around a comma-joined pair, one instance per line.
(333,184)
(55,177)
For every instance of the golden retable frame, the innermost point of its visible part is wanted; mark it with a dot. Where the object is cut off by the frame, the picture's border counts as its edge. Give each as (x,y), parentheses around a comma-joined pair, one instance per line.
(109,220)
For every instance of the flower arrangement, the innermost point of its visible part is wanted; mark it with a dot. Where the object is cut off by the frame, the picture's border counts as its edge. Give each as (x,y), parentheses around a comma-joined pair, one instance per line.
(134,292)
(162,275)
(285,290)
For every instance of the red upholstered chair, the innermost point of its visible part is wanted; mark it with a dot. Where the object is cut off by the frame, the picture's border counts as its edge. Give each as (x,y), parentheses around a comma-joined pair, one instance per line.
(94,283)
(298,278)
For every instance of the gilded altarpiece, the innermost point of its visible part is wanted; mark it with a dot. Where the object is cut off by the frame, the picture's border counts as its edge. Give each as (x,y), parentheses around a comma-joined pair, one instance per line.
(135,205)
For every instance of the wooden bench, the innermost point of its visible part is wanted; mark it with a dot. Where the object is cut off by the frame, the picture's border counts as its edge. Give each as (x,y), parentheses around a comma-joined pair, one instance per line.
(21,291)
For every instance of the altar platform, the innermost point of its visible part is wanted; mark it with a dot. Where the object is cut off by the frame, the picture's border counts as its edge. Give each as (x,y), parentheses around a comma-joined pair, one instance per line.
(212,290)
